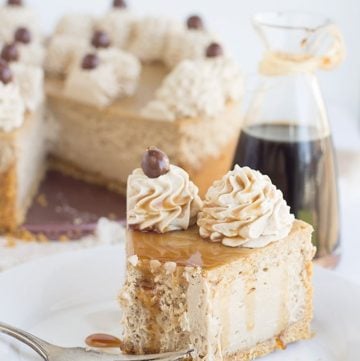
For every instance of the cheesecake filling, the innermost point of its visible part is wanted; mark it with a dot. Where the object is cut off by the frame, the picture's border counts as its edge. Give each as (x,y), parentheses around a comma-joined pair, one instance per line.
(244,209)
(164,203)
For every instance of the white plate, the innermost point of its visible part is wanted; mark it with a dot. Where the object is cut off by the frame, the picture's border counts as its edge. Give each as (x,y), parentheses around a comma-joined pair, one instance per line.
(64,298)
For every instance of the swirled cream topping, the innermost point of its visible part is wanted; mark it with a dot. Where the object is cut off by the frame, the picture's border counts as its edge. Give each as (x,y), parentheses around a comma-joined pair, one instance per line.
(167,203)
(61,53)
(12,107)
(98,87)
(150,36)
(118,24)
(32,54)
(76,25)
(196,88)
(13,17)
(244,209)
(115,76)
(186,44)
(30,80)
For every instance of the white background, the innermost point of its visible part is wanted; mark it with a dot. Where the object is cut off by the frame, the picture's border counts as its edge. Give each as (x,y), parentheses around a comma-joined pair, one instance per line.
(231,19)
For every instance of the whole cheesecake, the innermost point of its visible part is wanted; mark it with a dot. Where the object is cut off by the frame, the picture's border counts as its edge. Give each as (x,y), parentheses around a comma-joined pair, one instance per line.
(115,84)
(234,286)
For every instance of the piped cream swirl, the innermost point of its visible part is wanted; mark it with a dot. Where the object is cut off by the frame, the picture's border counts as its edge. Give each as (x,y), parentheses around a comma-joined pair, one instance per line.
(167,203)
(244,209)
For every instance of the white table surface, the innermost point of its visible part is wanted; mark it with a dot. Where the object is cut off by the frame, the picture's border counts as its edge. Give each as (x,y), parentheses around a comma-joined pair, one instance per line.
(346,135)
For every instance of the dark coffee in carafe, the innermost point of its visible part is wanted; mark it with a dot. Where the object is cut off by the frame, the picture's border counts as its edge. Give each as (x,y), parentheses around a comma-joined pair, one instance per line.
(301,164)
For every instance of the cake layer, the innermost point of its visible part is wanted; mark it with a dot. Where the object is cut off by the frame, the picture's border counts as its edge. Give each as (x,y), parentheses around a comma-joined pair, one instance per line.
(230,302)
(22,166)
(108,143)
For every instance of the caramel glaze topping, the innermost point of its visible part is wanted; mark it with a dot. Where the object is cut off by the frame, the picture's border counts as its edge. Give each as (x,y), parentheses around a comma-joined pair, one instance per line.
(185,248)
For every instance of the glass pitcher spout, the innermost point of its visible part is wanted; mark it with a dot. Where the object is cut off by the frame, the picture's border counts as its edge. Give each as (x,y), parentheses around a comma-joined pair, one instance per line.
(301,37)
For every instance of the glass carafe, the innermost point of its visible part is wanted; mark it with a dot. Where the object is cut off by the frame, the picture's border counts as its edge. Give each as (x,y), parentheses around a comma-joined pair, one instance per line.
(286,133)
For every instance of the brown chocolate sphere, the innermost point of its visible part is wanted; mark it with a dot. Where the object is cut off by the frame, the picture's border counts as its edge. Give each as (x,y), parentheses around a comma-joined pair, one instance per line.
(194,22)
(120,4)
(6,75)
(15,3)
(100,39)
(22,35)
(155,163)
(90,62)
(214,50)
(10,53)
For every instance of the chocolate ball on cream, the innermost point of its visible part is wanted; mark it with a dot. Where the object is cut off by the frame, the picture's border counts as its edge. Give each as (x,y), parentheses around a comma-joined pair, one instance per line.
(15,2)
(155,163)
(6,75)
(195,22)
(22,35)
(119,4)
(90,62)
(10,53)
(100,39)
(214,50)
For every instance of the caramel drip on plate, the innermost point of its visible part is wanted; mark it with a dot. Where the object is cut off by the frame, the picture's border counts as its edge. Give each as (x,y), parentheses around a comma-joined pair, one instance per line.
(103,340)
(186,248)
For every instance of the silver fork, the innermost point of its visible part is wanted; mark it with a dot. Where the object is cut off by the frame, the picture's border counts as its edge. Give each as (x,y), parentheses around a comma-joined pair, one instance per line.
(51,352)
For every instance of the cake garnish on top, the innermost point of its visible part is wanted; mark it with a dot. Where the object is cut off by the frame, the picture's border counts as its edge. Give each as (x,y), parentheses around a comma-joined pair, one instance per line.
(10,52)
(160,196)
(12,106)
(28,78)
(102,76)
(31,50)
(197,88)
(14,15)
(195,22)
(150,37)
(119,4)
(244,209)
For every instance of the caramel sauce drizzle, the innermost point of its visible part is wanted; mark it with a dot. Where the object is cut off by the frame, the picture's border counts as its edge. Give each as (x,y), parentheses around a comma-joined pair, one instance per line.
(186,248)
(103,340)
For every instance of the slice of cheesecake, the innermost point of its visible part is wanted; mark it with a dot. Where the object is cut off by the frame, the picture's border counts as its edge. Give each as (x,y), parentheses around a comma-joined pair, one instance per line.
(229,304)
(235,286)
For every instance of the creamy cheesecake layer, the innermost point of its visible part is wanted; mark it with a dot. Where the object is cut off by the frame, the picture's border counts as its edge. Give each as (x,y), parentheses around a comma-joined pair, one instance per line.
(107,144)
(228,302)
(22,166)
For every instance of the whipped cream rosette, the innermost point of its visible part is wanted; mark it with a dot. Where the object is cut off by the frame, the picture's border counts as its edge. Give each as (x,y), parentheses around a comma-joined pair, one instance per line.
(103,76)
(30,80)
(75,25)
(118,23)
(160,196)
(150,35)
(244,209)
(12,107)
(13,17)
(187,43)
(197,88)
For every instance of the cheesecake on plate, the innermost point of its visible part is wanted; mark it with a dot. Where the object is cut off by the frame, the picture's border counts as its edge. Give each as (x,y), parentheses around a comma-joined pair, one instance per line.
(229,277)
